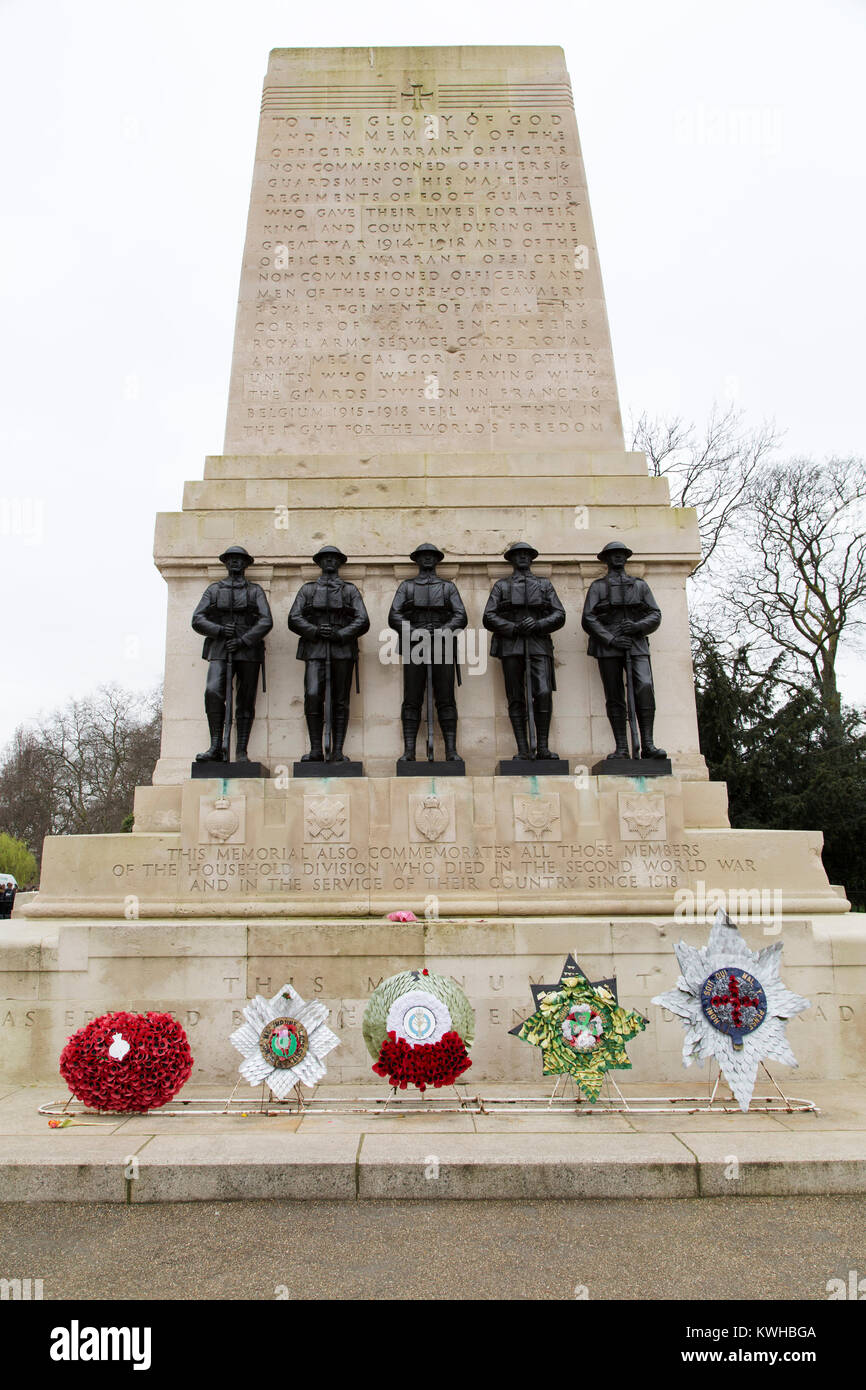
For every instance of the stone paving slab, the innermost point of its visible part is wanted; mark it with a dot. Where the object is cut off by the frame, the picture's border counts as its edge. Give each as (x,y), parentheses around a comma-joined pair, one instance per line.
(195,1168)
(65,1166)
(522,1165)
(780,1164)
(389,1154)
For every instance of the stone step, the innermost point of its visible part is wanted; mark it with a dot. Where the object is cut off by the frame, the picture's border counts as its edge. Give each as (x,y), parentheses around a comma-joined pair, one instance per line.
(558,463)
(350,492)
(477,534)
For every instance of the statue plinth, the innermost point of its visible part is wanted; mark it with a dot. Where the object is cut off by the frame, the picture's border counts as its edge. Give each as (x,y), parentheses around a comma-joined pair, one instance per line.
(632,767)
(532,767)
(423,767)
(228,770)
(325,769)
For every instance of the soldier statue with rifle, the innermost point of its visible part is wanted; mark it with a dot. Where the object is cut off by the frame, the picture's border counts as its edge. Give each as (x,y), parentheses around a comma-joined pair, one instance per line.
(233,616)
(431,606)
(619,614)
(329,616)
(522,611)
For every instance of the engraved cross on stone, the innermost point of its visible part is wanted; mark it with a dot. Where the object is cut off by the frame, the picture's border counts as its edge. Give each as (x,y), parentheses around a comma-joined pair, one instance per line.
(416,94)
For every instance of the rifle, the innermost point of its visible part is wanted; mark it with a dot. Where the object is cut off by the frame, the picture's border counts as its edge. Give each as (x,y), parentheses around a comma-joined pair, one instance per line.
(527,682)
(629,696)
(230,680)
(329,732)
(429,664)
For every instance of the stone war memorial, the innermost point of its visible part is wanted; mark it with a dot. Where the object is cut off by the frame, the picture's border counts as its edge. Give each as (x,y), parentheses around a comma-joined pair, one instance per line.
(428,640)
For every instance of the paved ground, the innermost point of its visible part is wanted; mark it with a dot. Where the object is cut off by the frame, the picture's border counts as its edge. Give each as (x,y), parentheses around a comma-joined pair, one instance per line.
(752,1248)
(320,1157)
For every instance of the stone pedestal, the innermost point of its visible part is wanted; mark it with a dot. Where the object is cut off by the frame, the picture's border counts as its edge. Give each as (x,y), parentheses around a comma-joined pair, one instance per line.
(492,846)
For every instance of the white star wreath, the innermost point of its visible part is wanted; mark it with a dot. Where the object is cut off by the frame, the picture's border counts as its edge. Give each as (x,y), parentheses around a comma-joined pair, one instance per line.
(747,1027)
(284,1041)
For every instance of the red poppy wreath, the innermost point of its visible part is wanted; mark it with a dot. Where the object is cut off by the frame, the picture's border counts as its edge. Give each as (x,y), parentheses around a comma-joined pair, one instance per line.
(124,1061)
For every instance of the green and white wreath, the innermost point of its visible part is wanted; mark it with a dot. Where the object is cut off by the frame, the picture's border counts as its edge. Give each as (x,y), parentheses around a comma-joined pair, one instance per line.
(417,1027)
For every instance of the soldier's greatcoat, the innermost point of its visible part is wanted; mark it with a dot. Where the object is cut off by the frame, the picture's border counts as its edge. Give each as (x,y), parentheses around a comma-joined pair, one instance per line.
(517,597)
(427,601)
(609,601)
(238,601)
(333,600)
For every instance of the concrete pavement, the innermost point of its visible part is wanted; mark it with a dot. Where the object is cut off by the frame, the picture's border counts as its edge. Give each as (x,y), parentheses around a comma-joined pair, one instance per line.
(732,1248)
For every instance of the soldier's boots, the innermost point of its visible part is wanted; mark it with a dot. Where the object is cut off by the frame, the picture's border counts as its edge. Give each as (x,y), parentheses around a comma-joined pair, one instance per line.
(648,749)
(542,732)
(243,727)
(341,722)
(215,753)
(449,735)
(518,724)
(315,725)
(410,734)
(619,724)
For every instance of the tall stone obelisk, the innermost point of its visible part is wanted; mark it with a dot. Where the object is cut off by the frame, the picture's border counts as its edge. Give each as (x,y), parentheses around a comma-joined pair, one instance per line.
(422,353)
(420,269)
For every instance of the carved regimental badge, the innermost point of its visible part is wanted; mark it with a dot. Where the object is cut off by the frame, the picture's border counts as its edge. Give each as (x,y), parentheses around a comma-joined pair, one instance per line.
(326,818)
(537,818)
(222,820)
(432,816)
(642,818)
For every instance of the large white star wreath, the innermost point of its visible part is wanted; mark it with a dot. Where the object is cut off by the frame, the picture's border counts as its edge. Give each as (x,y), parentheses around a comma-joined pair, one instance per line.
(284,1041)
(733,1005)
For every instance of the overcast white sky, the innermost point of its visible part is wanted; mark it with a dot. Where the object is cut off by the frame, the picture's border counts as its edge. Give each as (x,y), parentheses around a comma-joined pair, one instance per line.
(724,148)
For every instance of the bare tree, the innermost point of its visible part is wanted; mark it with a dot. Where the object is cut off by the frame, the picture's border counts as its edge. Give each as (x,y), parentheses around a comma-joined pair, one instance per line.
(802,579)
(710,469)
(74,772)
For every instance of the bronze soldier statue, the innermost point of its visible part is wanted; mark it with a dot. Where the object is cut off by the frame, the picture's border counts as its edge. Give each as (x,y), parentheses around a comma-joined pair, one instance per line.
(233,616)
(619,614)
(329,616)
(433,606)
(521,613)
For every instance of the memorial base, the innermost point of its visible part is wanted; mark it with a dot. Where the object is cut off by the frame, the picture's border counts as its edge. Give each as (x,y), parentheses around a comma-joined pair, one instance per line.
(632,767)
(323,769)
(349,845)
(58,974)
(228,770)
(532,767)
(436,768)
(223,893)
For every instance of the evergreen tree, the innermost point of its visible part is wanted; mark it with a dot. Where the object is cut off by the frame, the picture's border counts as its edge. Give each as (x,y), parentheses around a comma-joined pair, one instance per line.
(788,766)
